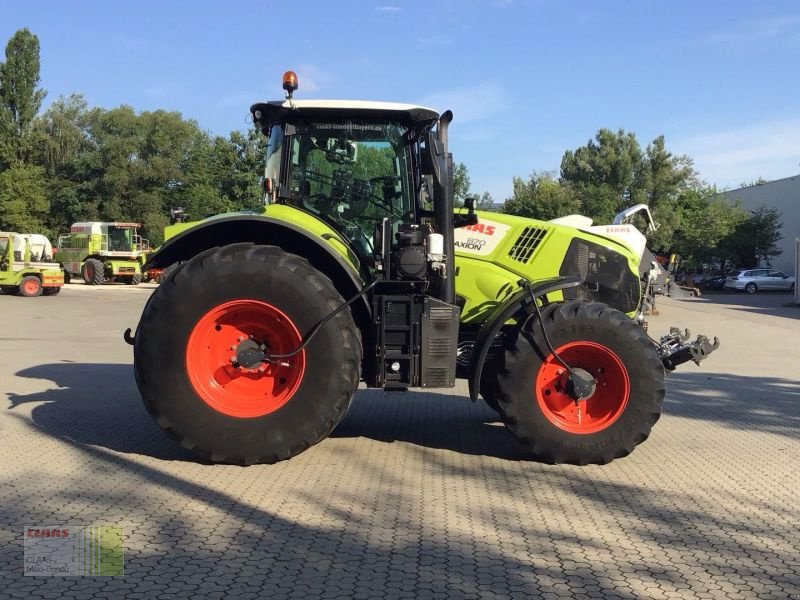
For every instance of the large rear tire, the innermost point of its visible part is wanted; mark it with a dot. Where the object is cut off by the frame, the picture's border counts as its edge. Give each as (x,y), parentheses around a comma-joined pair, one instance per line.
(192,327)
(531,389)
(93,272)
(51,291)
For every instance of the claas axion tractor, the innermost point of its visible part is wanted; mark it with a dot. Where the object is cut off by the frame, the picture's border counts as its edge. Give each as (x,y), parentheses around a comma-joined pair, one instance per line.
(360,269)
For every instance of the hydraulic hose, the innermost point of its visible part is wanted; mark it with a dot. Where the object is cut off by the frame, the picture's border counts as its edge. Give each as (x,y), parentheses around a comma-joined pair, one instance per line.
(315,329)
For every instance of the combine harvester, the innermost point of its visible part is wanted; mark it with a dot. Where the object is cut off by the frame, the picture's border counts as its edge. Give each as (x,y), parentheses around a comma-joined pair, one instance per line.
(103,252)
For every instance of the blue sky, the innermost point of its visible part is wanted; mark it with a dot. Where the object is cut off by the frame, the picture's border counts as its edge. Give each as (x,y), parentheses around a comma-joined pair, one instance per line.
(525,79)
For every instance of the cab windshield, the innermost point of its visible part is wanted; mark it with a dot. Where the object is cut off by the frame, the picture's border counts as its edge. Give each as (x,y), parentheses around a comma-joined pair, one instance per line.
(351,173)
(119,239)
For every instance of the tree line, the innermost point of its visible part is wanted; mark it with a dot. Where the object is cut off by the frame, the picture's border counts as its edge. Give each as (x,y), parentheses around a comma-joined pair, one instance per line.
(74,162)
(612,172)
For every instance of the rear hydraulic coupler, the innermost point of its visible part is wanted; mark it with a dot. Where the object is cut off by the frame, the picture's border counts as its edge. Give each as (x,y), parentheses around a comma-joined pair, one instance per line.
(675,348)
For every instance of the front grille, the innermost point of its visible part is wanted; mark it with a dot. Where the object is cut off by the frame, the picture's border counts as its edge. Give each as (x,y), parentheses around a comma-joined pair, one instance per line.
(526,243)
(607,277)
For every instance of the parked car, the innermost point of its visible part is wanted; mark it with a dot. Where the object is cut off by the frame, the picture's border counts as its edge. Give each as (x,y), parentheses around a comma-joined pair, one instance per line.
(717,282)
(753,280)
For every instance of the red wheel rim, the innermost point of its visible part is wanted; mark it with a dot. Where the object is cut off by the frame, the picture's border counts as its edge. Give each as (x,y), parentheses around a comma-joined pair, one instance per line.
(31,286)
(596,412)
(236,391)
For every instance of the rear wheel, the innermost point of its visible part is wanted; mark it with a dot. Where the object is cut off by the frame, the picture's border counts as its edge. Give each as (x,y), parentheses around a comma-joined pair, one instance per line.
(9,290)
(93,272)
(192,341)
(30,286)
(750,288)
(626,402)
(51,291)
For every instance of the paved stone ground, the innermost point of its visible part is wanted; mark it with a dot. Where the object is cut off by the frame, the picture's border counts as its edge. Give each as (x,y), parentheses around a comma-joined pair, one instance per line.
(415,496)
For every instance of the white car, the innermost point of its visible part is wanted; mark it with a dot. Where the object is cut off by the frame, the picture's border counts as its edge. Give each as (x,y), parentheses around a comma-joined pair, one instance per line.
(753,280)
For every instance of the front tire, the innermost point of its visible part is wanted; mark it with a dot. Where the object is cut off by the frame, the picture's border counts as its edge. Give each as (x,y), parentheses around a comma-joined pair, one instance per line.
(531,389)
(191,328)
(93,272)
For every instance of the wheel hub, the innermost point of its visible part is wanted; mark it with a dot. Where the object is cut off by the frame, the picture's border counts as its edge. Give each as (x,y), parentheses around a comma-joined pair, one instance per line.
(249,354)
(581,385)
(591,399)
(226,358)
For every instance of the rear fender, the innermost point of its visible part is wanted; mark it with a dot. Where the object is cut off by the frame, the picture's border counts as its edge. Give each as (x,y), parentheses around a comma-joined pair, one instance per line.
(517,305)
(259,229)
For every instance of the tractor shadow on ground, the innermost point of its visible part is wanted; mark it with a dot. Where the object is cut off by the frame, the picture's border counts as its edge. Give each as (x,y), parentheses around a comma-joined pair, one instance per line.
(436,420)
(96,405)
(99,405)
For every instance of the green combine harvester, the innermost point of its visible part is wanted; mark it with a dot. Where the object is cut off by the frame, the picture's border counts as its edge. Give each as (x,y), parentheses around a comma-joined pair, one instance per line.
(25,271)
(103,252)
(360,269)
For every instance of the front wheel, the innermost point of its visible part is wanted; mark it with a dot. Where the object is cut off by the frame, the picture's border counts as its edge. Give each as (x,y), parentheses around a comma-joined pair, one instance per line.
(197,349)
(533,387)
(93,272)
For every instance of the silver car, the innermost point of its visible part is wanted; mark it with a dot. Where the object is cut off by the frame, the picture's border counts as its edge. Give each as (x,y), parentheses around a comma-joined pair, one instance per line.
(753,280)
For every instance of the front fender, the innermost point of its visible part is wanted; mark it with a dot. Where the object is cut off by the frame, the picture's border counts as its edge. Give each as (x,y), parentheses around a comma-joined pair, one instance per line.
(518,303)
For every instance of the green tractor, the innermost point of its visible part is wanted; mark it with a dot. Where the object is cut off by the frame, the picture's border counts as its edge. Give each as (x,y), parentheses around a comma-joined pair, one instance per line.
(360,269)
(102,252)
(24,272)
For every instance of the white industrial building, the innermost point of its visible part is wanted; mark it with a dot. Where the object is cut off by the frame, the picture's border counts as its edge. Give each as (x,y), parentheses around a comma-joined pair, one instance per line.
(783,194)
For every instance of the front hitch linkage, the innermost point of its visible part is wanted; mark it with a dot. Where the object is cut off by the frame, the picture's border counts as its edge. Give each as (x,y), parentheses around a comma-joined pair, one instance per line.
(675,348)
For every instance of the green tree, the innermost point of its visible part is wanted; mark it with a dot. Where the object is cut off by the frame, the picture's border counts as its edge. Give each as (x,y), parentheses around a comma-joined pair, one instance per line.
(23,199)
(766,226)
(666,179)
(607,173)
(754,238)
(461,183)
(20,96)
(541,196)
(485,202)
(707,222)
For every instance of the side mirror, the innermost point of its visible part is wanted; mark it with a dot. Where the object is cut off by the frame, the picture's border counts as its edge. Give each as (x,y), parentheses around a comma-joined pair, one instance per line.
(460,220)
(177,214)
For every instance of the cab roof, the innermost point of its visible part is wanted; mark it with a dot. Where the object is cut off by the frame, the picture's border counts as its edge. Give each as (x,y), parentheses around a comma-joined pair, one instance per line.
(280,110)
